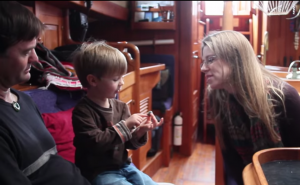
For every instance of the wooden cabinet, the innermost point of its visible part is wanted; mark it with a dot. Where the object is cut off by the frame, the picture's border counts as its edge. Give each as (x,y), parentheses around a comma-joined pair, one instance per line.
(191,33)
(159,16)
(52,18)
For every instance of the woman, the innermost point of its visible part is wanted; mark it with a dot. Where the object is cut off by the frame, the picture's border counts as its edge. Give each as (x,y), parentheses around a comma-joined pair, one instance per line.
(253,109)
(28,154)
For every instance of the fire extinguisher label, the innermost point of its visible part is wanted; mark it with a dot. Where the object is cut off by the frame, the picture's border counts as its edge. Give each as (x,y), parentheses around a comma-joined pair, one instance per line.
(177,135)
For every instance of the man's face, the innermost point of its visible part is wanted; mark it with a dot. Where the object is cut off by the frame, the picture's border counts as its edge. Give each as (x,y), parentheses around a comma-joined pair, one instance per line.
(16,63)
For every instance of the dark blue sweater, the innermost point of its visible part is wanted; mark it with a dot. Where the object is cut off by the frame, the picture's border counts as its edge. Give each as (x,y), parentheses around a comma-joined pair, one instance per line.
(28,151)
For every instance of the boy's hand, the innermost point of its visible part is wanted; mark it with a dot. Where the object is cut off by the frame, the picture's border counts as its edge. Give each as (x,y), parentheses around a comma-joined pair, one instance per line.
(154,120)
(135,120)
(150,124)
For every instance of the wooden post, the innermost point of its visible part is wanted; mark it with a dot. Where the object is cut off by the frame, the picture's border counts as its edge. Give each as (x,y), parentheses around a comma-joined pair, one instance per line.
(220,174)
(227,23)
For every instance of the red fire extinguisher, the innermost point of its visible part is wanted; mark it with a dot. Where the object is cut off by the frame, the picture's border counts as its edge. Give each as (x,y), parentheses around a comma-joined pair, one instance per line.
(178,130)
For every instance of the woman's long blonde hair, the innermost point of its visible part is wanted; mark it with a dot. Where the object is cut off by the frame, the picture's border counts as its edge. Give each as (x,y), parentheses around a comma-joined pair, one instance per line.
(250,80)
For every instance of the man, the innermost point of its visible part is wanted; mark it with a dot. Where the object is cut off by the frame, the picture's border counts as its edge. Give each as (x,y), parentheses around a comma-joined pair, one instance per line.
(28,154)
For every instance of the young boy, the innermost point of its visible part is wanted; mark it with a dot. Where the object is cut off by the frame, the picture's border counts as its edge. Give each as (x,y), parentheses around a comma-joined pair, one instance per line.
(103,126)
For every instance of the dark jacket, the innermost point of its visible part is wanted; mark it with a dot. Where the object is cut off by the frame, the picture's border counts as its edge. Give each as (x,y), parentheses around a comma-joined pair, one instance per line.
(289,128)
(28,154)
(101,137)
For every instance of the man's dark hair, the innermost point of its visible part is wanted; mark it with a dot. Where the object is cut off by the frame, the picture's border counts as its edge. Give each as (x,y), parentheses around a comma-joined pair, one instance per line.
(17,24)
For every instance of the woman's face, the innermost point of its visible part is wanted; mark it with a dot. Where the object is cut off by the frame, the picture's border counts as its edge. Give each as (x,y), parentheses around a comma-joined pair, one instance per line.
(216,71)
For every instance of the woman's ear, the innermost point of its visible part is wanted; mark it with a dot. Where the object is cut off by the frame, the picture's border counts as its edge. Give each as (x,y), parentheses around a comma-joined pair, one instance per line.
(92,80)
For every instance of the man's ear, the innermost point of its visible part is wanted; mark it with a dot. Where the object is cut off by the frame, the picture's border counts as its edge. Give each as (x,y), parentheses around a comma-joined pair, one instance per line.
(92,80)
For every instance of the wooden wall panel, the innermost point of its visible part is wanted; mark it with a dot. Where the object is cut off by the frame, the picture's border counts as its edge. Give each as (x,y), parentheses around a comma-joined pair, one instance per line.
(243,22)
(274,54)
(51,36)
(52,17)
(257,26)
(281,41)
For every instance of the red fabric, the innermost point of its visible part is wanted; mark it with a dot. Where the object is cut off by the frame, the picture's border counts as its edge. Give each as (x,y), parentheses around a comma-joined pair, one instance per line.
(60,126)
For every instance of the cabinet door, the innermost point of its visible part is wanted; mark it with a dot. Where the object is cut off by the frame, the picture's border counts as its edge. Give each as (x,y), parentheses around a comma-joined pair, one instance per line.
(52,18)
(195,87)
(195,71)
(51,36)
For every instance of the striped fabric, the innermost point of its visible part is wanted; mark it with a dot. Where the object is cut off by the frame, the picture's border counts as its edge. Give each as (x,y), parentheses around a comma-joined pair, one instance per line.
(54,72)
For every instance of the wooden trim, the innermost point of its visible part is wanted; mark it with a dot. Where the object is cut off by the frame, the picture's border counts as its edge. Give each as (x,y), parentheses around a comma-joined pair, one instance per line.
(207,26)
(269,155)
(105,8)
(259,30)
(151,68)
(185,80)
(250,176)
(66,31)
(24,87)
(234,16)
(111,10)
(154,25)
(201,22)
(219,167)
(251,31)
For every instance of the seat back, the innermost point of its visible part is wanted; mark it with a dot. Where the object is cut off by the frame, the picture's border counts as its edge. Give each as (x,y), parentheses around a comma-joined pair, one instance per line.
(159,100)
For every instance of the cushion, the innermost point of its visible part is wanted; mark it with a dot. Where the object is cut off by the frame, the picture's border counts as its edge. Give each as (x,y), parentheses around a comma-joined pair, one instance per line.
(54,100)
(60,126)
(168,60)
(162,105)
(45,100)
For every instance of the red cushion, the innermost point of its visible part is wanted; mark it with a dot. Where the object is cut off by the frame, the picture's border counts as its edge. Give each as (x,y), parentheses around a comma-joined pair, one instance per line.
(60,126)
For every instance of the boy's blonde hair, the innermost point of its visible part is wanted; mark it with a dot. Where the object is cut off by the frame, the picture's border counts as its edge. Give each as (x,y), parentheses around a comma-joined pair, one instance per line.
(99,59)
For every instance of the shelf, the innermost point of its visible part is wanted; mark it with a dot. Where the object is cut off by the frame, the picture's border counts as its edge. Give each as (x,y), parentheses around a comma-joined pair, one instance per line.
(164,25)
(154,25)
(201,22)
(151,10)
(169,8)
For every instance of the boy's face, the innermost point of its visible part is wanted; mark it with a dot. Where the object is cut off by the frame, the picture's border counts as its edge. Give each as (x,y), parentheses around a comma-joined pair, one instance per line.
(109,86)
